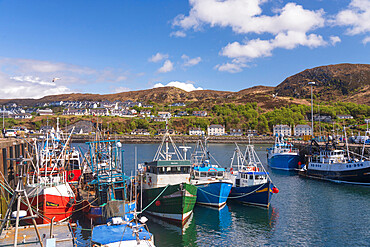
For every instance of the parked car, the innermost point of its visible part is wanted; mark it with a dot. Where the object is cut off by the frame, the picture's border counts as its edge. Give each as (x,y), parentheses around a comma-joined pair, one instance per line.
(10,133)
(22,131)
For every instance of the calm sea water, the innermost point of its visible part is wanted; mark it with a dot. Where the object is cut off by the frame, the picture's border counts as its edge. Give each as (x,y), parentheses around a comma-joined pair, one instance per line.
(304,213)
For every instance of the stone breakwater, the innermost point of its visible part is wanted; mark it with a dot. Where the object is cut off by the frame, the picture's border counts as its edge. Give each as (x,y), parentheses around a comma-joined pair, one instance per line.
(179,139)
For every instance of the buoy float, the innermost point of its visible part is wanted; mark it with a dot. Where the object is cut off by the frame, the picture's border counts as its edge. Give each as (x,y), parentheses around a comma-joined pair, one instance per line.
(275,190)
(158,203)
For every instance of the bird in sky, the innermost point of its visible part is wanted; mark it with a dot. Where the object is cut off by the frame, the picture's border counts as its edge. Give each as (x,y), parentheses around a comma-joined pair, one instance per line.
(55,79)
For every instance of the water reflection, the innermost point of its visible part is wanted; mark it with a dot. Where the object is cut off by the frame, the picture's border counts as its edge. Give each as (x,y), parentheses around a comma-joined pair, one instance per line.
(169,234)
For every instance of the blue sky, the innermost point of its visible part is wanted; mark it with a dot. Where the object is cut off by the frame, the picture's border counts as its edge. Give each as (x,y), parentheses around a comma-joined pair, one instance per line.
(115,46)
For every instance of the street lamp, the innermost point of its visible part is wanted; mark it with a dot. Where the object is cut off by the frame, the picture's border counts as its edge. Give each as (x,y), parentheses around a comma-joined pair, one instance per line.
(311,83)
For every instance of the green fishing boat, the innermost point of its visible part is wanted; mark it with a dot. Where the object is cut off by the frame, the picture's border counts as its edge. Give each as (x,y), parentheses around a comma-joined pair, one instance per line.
(166,188)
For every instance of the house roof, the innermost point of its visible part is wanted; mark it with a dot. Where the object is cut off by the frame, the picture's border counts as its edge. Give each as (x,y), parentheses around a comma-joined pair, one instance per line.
(216,126)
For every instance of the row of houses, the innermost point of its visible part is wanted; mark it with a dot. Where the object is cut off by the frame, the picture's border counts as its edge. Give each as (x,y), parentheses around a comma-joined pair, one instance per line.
(212,130)
(298,130)
(117,104)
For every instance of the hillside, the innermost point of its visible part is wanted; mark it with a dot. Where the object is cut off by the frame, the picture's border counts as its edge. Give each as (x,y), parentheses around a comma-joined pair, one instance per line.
(345,82)
(341,82)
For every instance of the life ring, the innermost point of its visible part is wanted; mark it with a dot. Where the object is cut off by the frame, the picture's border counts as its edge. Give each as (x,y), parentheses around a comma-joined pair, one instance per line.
(71,175)
(231,170)
(150,182)
(212,169)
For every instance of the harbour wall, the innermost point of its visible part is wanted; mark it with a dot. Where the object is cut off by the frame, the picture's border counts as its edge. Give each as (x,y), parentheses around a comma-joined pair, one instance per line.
(178,139)
(10,149)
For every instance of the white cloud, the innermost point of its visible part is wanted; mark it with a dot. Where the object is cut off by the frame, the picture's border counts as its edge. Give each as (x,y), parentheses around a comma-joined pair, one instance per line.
(30,78)
(263,48)
(28,87)
(245,17)
(230,67)
(179,34)
(357,16)
(158,57)
(290,26)
(121,89)
(188,62)
(366,40)
(167,67)
(334,40)
(182,85)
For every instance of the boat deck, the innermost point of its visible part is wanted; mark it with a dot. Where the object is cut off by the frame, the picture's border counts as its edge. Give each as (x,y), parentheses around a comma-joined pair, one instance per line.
(27,236)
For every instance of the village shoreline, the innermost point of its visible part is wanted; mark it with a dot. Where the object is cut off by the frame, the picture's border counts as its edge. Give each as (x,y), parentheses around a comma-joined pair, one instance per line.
(179,139)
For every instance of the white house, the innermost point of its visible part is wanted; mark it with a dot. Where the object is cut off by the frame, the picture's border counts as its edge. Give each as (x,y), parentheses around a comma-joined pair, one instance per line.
(236,132)
(140,132)
(44,112)
(145,113)
(164,114)
(282,129)
(200,113)
(344,117)
(215,130)
(196,131)
(302,129)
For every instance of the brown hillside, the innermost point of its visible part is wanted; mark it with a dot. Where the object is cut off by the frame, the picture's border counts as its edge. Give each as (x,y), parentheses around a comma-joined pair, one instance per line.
(344,82)
(347,82)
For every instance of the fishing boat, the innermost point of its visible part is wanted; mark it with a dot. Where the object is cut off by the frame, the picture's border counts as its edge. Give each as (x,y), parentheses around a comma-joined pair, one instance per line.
(47,186)
(338,165)
(251,182)
(14,232)
(213,185)
(167,192)
(106,195)
(119,232)
(283,156)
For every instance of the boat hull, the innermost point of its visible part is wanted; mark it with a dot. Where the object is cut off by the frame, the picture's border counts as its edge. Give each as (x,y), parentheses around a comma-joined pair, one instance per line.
(287,162)
(348,174)
(213,193)
(57,201)
(257,195)
(176,203)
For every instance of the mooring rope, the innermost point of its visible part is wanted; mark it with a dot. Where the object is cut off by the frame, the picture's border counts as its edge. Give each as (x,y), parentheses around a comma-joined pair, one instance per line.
(155,198)
(233,197)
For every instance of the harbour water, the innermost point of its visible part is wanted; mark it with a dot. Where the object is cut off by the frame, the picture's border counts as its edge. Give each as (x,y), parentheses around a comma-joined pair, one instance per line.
(304,213)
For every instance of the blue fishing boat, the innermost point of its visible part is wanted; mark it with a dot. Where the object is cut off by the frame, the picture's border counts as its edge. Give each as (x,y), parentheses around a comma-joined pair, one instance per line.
(213,185)
(251,182)
(283,156)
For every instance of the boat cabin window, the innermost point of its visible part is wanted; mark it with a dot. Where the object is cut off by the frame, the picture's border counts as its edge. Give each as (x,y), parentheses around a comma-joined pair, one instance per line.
(250,176)
(74,164)
(220,174)
(173,170)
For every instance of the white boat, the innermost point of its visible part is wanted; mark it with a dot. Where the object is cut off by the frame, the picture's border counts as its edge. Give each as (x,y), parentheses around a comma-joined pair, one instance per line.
(337,165)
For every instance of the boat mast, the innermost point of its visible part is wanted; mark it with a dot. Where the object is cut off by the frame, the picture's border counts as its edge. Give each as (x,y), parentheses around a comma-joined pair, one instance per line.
(166,135)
